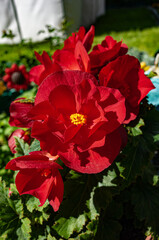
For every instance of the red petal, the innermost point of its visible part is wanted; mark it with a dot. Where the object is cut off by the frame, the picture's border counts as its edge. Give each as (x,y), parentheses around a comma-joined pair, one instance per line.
(48,142)
(32,182)
(18,114)
(96,159)
(66,60)
(35,73)
(60,78)
(82,57)
(56,194)
(88,39)
(62,98)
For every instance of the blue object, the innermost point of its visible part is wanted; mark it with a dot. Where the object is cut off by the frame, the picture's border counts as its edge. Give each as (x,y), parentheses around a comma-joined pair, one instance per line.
(153,95)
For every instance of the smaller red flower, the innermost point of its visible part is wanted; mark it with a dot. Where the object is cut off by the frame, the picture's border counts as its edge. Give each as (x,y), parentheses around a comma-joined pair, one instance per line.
(125,74)
(39,176)
(107,51)
(25,135)
(17,77)
(85,38)
(19,109)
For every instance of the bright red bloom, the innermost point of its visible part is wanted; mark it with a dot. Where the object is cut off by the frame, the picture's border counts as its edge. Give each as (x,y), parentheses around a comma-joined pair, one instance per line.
(17,77)
(105,52)
(125,74)
(39,176)
(40,72)
(85,38)
(19,109)
(77,119)
(25,135)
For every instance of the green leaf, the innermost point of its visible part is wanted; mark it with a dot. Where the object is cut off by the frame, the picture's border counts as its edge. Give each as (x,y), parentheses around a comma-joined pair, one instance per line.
(49,237)
(19,208)
(109,229)
(145,199)
(72,217)
(24,231)
(135,156)
(135,131)
(152,122)
(65,227)
(22,148)
(33,204)
(35,146)
(88,195)
(9,218)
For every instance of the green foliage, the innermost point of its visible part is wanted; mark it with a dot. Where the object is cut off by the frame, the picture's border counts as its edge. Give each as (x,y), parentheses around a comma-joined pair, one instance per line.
(145,200)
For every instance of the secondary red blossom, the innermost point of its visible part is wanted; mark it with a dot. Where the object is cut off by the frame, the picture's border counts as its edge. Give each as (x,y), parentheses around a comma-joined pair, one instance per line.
(105,52)
(74,117)
(125,74)
(39,176)
(17,77)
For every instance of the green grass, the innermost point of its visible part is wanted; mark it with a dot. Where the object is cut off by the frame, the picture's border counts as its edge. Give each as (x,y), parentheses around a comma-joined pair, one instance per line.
(135,26)
(12,52)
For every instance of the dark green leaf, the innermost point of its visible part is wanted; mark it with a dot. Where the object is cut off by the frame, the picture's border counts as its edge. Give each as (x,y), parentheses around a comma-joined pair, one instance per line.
(135,156)
(145,199)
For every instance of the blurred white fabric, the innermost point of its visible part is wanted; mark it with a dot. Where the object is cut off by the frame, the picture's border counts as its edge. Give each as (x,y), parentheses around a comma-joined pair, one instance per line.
(34,15)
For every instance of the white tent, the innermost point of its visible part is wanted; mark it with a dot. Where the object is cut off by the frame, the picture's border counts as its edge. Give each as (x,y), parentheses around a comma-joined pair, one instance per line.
(34,15)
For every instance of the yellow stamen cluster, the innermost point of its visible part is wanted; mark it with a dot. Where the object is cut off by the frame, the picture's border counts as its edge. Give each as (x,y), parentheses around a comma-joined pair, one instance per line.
(45,172)
(77,118)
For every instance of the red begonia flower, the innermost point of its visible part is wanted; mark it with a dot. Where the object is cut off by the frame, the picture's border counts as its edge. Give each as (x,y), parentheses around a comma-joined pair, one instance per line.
(72,114)
(76,60)
(19,109)
(40,72)
(107,51)
(82,36)
(125,74)
(17,77)
(25,135)
(39,176)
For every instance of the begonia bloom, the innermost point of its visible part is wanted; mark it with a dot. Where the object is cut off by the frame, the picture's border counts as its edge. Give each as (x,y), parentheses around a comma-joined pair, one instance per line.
(17,77)
(125,74)
(107,51)
(72,113)
(39,176)
(19,109)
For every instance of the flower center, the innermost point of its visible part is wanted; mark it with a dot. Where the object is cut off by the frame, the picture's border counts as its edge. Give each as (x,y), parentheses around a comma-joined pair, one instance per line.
(17,78)
(45,172)
(77,118)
